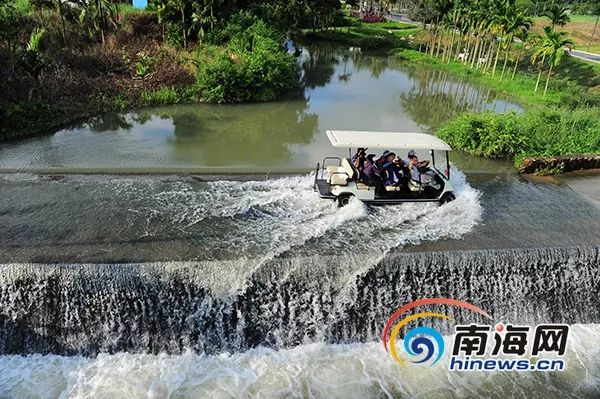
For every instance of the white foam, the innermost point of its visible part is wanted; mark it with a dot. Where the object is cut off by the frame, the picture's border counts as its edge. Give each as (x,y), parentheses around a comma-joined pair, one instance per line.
(253,222)
(315,370)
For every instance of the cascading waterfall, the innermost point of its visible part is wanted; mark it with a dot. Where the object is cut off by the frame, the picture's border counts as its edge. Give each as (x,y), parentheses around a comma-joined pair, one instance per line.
(152,308)
(294,304)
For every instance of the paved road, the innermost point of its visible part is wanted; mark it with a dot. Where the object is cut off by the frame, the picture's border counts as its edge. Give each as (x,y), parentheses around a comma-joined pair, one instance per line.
(586,56)
(402,18)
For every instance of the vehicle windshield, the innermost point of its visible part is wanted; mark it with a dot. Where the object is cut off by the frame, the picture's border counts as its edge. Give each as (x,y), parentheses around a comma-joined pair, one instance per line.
(438,161)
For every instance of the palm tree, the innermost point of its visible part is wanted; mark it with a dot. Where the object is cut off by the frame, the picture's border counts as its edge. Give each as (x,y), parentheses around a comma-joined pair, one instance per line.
(555,44)
(516,22)
(525,39)
(558,14)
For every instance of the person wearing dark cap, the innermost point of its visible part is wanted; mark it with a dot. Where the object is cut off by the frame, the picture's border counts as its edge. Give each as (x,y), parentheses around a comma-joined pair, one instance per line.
(358,160)
(359,152)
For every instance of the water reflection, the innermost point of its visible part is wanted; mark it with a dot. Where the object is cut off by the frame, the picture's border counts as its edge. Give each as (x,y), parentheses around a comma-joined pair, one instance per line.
(343,88)
(248,136)
(436,97)
(318,66)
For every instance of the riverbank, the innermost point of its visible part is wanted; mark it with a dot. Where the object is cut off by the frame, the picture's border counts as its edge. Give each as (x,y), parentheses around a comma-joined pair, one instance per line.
(560,122)
(49,85)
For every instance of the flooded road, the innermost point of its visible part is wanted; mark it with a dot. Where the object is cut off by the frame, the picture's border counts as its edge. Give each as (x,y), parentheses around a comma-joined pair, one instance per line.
(259,287)
(166,284)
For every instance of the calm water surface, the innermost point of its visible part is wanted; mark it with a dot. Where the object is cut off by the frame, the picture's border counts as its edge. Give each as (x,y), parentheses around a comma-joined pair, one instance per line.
(342,90)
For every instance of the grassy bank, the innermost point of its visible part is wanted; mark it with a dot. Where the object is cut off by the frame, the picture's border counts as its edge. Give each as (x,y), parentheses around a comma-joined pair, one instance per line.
(563,121)
(374,36)
(520,88)
(539,132)
(52,76)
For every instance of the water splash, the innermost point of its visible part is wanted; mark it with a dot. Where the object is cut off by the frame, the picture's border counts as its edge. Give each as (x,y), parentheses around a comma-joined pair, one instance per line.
(151,308)
(315,370)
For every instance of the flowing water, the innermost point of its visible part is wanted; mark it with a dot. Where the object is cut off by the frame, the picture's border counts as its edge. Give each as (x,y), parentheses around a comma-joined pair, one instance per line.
(148,287)
(156,286)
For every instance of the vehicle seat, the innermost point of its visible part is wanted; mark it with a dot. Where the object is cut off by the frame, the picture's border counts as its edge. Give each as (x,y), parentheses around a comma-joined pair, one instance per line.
(342,177)
(393,188)
(363,186)
(331,169)
(414,185)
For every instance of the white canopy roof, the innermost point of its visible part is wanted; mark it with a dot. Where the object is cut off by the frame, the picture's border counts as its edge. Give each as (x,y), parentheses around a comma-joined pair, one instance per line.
(415,141)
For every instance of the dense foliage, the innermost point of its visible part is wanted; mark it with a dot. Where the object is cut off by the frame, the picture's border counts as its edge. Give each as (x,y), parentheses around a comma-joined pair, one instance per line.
(252,66)
(538,132)
(56,56)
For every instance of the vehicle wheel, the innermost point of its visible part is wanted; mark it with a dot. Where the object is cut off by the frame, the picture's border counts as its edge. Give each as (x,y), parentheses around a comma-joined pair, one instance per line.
(344,199)
(448,197)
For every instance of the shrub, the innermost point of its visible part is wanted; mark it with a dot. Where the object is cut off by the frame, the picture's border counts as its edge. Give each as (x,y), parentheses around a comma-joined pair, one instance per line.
(251,68)
(538,132)
(144,64)
(487,134)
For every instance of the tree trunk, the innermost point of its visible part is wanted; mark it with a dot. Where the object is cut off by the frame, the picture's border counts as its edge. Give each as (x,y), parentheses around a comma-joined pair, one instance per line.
(548,79)
(458,47)
(497,54)
(488,57)
(62,21)
(481,49)
(183,27)
(537,84)
(102,24)
(440,41)
(433,40)
(451,49)
(505,61)
(516,64)
(593,33)
(474,56)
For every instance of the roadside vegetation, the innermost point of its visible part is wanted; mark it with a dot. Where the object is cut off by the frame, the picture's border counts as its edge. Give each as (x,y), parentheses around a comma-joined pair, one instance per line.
(62,61)
(503,45)
(368,36)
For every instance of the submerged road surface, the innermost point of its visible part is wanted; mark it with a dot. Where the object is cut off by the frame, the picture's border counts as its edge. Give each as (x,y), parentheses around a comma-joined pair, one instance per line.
(143,287)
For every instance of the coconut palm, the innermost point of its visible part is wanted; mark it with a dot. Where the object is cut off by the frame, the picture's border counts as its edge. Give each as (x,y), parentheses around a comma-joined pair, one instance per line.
(553,48)
(516,22)
(525,38)
(558,14)
(556,49)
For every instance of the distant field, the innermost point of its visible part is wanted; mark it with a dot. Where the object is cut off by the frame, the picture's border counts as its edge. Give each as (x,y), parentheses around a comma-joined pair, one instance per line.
(579,30)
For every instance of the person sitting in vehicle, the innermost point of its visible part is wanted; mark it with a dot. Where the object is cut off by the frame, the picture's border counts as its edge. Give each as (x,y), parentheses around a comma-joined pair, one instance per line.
(416,168)
(359,152)
(383,159)
(358,160)
(390,169)
(368,173)
(399,171)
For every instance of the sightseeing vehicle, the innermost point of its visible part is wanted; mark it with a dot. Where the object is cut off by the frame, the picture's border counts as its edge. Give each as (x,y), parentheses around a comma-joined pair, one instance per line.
(339,180)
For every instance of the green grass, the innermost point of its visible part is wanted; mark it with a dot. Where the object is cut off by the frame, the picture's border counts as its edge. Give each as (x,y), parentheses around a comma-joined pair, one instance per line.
(164,96)
(521,88)
(381,35)
(540,132)
(390,25)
